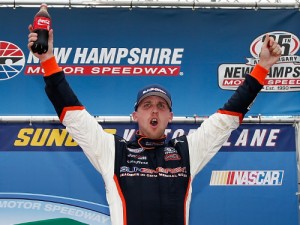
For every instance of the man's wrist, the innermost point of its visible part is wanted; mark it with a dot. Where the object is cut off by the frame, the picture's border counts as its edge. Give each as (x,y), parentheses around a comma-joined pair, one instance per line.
(267,66)
(45,57)
(259,73)
(50,66)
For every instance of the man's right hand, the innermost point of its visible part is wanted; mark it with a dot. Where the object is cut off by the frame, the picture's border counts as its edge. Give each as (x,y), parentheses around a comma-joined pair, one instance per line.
(32,37)
(270,52)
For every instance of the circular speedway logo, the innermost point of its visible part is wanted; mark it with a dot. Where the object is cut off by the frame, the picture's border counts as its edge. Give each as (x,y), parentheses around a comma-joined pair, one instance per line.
(289,43)
(12,60)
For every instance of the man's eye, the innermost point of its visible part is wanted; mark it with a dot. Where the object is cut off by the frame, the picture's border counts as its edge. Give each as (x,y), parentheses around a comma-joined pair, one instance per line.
(161,105)
(147,105)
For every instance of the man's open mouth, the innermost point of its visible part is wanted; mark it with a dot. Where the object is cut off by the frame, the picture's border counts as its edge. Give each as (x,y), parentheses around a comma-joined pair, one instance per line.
(154,122)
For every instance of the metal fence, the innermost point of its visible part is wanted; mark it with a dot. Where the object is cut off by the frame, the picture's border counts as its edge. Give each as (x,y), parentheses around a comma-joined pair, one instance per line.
(231,4)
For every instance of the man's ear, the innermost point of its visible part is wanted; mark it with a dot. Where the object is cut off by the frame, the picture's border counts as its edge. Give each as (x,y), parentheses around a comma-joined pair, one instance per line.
(134,116)
(171,117)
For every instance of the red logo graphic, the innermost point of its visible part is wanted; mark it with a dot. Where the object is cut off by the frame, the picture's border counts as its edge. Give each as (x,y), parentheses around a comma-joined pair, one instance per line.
(12,60)
(289,43)
(174,156)
(42,23)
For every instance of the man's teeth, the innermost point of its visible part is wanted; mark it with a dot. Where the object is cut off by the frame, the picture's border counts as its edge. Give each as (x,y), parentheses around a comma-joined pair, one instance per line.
(154,121)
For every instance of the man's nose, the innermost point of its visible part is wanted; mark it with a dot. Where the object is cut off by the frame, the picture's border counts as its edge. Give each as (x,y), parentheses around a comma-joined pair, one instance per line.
(155,108)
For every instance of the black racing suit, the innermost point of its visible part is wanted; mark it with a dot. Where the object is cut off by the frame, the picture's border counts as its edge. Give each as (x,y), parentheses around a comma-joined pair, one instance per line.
(148,182)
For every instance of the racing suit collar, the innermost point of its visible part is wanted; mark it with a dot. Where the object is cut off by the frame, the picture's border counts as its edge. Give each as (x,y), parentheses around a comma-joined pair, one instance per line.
(147,143)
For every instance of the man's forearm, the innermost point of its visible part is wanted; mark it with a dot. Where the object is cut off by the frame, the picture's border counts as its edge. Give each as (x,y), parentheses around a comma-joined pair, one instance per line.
(57,88)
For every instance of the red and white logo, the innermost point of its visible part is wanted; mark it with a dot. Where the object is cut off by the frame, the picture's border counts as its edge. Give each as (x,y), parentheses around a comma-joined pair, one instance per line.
(284,76)
(12,60)
(42,23)
(289,43)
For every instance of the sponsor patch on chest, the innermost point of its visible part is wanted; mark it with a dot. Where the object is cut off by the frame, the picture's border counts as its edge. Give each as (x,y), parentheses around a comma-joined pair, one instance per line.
(171,154)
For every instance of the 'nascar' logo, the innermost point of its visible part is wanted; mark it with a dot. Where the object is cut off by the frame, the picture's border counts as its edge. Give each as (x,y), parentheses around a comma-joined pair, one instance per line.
(283,76)
(12,60)
(247,178)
